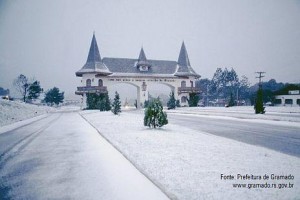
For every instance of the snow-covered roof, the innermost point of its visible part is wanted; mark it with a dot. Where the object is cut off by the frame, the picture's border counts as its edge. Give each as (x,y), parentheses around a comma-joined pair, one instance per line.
(94,63)
(127,66)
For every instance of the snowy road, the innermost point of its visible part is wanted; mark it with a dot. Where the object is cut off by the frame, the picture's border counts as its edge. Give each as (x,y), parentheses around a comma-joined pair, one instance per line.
(285,139)
(63,157)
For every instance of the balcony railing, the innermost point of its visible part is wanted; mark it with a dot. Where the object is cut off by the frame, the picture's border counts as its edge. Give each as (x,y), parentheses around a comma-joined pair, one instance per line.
(91,89)
(188,90)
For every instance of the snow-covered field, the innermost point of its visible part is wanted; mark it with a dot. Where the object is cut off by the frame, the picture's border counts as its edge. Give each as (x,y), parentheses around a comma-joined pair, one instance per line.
(11,111)
(188,164)
(291,114)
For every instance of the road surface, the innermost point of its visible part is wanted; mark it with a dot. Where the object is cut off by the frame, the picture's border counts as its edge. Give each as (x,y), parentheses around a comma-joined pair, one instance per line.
(280,138)
(63,157)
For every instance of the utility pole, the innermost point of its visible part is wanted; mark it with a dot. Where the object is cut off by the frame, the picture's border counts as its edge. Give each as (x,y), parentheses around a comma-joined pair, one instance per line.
(260,76)
(259,104)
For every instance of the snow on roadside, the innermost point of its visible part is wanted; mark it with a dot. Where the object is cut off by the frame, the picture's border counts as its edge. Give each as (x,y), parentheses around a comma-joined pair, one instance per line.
(188,164)
(11,111)
(291,114)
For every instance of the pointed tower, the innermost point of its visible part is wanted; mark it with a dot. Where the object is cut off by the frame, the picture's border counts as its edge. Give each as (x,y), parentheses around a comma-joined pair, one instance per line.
(184,66)
(183,59)
(94,62)
(142,63)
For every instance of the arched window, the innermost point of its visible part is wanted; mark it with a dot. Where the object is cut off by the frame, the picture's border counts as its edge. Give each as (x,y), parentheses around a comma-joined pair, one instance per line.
(183,99)
(100,83)
(88,82)
(183,84)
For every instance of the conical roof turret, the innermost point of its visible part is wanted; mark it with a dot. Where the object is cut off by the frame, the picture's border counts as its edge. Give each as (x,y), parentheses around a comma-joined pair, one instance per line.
(183,59)
(94,54)
(142,60)
(94,62)
(184,66)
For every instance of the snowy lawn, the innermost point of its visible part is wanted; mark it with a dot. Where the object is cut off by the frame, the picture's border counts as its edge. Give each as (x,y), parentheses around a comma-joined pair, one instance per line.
(188,164)
(11,111)
(287,113)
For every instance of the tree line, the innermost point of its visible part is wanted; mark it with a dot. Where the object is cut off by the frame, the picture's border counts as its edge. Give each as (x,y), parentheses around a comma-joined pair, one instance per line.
(227,87)
(30,90)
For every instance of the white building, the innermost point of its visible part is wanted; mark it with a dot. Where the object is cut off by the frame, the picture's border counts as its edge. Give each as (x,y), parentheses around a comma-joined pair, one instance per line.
(291,99)
(98,74)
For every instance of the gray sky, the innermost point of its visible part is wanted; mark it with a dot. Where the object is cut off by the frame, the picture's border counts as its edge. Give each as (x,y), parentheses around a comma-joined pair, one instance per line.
(49,40)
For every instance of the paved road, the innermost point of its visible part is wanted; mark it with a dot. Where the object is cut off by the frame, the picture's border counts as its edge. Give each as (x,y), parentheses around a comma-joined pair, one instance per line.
(284,139)
(63,157)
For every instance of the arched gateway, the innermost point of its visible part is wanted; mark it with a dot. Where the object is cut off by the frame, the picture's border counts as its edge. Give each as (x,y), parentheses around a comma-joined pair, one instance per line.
(99,74)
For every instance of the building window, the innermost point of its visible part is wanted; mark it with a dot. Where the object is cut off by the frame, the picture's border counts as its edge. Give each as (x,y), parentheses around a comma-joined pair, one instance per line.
(88,83)
(298,102)
(288,101)
(100,83)
(277,101)
(192,83)
(183,84)
(183,99)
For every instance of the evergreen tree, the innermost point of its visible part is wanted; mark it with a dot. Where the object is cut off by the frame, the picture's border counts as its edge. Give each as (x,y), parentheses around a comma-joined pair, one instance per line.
(92,100)
(193,100)
(231,101)
(98,101)
(259,105)
(116,105)
(34,90)
(53,96)
(177,103)
(146,103)
(172,101)
(154,115)
(104,102)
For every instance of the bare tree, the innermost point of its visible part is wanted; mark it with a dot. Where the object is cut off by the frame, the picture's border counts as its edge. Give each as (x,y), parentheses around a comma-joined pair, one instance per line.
(21,84)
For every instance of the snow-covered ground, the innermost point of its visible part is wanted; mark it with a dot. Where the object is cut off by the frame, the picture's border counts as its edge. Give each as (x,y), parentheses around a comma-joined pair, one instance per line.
(188,164)
(12,111)
(291,114)
(183,162)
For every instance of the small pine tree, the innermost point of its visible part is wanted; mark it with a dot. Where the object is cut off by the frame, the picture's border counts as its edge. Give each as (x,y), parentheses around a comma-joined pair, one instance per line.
(116,105)
(146,103)
(193,100)
(172,101)
(53,96)
(177,103)
(104,102)
(231,101)
(154,115)
(92,100)
(34,90)
(259,105)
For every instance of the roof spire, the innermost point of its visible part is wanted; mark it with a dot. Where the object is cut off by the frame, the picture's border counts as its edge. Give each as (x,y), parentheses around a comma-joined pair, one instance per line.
(183,59)
(94,62)
(142,56)
(142,60)
(184,66)
(94,55)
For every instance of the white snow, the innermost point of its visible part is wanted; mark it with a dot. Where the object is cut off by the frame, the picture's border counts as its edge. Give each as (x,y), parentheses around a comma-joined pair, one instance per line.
(185,163)
(68,159)
(12,111)
(188,164)
(291,114)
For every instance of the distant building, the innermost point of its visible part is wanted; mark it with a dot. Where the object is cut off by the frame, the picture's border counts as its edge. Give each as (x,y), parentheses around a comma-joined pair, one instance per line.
(4,94)
(98,74)
(290,99)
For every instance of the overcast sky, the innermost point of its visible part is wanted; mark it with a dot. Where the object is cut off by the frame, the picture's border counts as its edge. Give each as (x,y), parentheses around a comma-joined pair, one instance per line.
(49,40)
